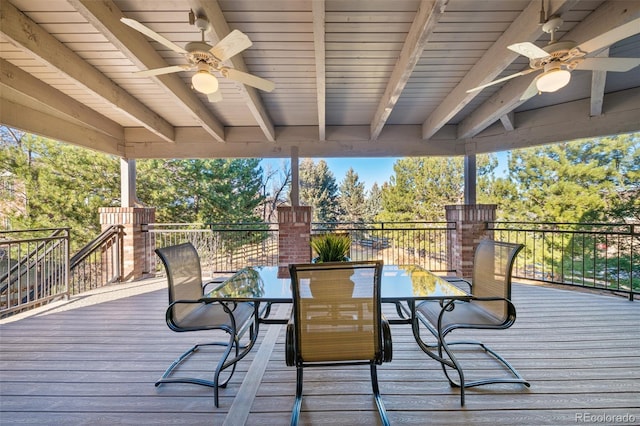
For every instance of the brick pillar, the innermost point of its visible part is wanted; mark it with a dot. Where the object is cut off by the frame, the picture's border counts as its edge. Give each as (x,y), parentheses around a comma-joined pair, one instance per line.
(471,227)
(294,236)
(134,262)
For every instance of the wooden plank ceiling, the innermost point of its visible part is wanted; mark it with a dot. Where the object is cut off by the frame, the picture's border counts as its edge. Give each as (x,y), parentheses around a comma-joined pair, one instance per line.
(364,78)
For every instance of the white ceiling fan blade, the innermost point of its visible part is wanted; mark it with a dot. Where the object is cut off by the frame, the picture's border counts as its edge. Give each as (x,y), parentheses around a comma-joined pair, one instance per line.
(608,64)
(529,50)
(531,90)
(249,79)
(164,70)
(612,36)
(234,43)
(500,80)
(152,34)
(215,96)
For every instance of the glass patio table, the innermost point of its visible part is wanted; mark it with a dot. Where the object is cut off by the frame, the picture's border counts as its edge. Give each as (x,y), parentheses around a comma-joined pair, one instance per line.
(403,285)
(399,283)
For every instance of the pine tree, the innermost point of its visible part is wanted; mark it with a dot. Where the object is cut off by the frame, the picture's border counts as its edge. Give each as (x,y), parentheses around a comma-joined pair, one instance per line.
(63,185)
(319,190)
(212,190)
(352,200)
(373,203)
(579,181)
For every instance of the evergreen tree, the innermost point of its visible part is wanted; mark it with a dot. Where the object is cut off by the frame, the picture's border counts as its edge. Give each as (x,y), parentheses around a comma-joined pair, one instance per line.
(421,187)
(63,185)
(351,200)
(319,190)
(211,190)
(373,203)
(579,181)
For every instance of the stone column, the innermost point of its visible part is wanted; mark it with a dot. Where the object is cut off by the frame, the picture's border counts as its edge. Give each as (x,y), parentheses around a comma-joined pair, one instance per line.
(135,256)
(470,228)
(294,237)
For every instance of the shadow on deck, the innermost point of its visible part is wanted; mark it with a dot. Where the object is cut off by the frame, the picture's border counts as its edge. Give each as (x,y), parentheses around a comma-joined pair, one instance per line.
(94,360)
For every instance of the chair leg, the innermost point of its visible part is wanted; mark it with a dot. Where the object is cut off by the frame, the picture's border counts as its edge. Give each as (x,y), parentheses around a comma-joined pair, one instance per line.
(223,364)
(517,378)
(448,361)
(376,394)
(297,404)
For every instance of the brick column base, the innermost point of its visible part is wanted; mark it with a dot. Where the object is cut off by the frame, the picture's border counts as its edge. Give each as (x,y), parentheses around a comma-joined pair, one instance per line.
(134,262)
(471,227)
(294,237)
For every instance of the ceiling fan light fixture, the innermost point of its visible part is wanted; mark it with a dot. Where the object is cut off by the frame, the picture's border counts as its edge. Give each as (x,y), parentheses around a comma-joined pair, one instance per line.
(204,82)
(553,79)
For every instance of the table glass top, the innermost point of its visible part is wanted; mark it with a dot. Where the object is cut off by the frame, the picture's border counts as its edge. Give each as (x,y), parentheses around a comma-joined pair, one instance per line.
(270,283)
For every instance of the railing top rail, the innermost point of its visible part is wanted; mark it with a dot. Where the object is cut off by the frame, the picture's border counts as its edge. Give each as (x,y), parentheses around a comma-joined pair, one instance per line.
(595,228)
(34,239)
(17,231)
(94,244)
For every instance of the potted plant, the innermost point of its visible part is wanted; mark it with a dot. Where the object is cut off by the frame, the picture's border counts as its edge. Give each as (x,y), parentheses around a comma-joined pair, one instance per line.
(331,247)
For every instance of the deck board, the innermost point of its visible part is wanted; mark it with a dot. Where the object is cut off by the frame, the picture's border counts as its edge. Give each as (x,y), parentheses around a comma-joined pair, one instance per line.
(95,360)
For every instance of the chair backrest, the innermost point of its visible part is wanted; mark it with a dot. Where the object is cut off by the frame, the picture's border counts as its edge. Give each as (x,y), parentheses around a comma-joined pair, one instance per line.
(184,276)
(336,308)
(492,267)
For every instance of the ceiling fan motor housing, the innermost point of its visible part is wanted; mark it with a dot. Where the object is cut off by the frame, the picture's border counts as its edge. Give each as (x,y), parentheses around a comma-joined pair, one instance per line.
(559,51)
(199,52)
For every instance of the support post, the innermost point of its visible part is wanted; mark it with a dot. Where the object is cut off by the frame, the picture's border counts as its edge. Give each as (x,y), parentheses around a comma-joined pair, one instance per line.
(294,237)
(470,179)
(134,262)
(127,183)
(295,177)
(470,220)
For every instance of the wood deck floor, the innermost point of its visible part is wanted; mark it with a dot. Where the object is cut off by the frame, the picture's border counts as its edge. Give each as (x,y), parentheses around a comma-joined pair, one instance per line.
(95,360)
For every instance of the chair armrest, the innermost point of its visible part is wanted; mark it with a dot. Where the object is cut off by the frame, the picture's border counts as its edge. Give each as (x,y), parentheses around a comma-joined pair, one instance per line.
(387,343)
(454,280)
(290,347)
(214,281)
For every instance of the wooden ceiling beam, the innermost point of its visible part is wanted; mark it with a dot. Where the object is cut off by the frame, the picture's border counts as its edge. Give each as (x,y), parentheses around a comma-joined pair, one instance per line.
(105,16)
(318,11)
(35,90)
(427,16)
(598,80)
(535,127)
(21,31)
(219,29)
(30,120)
(524,28)
(608,16)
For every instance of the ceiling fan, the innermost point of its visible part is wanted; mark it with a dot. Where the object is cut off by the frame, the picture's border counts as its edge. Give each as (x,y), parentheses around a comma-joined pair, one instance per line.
(557,59)
(205,58)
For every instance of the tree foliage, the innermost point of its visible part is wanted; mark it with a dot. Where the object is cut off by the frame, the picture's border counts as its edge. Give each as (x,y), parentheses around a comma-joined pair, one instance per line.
(352,202)
(579,181)
(62,185)
(421,187)
(373,203)
(319,190)
(210,190)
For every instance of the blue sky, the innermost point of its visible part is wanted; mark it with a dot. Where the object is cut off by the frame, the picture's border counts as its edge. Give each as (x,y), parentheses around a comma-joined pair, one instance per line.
(371,170)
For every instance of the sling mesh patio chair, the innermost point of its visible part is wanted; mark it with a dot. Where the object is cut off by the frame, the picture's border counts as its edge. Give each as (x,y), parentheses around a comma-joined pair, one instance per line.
(337,320)
(186,313)
(490,307)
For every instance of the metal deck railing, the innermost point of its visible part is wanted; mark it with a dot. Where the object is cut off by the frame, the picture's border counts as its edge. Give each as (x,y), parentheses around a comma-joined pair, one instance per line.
(601,256)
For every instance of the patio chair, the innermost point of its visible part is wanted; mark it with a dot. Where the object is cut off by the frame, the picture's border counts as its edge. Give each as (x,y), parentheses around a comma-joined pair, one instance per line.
(490,307)
(337,320)
(186,313)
